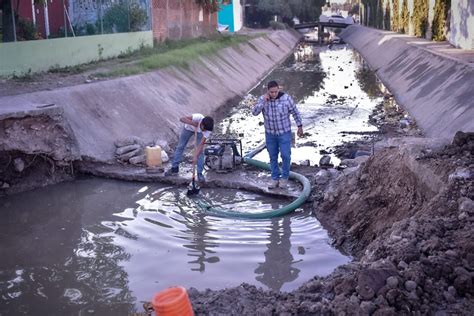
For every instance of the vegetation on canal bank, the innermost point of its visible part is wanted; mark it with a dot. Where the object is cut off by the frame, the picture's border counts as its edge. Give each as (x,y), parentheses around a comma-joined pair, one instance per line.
(167,53)
(171,53)
(396,16)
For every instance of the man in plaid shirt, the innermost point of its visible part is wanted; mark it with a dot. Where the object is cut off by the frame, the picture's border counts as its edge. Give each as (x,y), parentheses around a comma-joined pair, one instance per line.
(276,107)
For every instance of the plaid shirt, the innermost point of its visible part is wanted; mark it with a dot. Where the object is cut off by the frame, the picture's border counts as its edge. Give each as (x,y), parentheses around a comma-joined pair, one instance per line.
(276,113)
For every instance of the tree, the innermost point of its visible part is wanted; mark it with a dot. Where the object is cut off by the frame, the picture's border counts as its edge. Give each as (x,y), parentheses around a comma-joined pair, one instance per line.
(380,17)
(441,10)
(420,17)
(395,16)
(355,9)
(371,12)
(405,18)
(209,5)
(386,20)
(286,10)
(124,17)
(306,10)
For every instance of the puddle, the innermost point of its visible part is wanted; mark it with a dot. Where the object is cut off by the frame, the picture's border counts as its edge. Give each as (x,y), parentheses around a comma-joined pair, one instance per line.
(96,245)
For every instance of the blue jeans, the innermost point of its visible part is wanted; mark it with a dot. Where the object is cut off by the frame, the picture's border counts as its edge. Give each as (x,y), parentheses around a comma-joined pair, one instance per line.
(279,144)
(182,142)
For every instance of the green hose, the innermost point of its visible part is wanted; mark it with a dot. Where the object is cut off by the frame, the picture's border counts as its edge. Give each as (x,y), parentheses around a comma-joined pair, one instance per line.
(270,213)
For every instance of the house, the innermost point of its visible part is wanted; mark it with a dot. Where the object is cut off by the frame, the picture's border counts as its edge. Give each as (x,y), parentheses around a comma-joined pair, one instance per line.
(230,14)
(48,18)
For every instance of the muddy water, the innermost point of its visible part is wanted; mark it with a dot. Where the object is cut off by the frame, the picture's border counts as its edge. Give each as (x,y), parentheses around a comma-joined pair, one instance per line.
(99,247)
(94,246)
(334,91)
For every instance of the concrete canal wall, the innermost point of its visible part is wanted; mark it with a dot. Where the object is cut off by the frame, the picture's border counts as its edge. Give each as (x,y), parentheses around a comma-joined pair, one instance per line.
(435,88)
(149,105)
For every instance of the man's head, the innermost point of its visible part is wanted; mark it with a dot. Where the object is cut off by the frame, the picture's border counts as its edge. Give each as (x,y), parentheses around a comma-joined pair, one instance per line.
(273,89)
(207,124)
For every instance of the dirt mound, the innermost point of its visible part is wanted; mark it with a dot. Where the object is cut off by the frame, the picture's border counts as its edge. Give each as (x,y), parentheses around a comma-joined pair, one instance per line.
(35,151)
(407,217)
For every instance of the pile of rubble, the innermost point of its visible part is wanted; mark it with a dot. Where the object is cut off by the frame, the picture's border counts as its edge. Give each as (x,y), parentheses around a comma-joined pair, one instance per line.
(131,150)
(411,240)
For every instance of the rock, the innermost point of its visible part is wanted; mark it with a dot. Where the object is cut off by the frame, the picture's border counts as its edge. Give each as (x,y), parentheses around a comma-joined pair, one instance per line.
(451,253)
(385,311)
(125,149)
(449,297)
(5,185)
(331,194)
(466,205)
(18,164)
(322,177)
(463,282)
(461,138)
(392,295)
(164,156)
(370,281)
(306,162)
(410,285)
(392,282)
(413,297)
(430,245)
(334,172)
(395,238)
(129,141)
(460,174)
(383,290)
(367,308)
(349,162)
(360,153)
(347,285)
(125,157)
(137,160)
(452,291)
(463,216)
(325,160)
(402,265)
(404,123)
(380,301)
(365,292)
(354,299)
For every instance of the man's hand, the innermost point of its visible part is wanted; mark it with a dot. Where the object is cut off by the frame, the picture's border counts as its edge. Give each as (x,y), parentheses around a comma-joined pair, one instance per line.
(266,97)
(300,131)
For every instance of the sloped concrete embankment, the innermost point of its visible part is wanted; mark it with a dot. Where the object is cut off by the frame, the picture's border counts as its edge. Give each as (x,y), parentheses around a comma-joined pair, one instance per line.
(435,89)
(148,106)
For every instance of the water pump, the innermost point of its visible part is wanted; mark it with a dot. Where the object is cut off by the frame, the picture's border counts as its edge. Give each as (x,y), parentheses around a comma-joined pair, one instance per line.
(223,154)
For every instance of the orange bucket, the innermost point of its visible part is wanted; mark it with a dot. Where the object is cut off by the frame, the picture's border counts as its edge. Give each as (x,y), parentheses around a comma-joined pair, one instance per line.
(173,301)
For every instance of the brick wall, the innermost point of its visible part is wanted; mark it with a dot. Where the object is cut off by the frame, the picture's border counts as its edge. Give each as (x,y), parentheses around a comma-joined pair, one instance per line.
(177,19)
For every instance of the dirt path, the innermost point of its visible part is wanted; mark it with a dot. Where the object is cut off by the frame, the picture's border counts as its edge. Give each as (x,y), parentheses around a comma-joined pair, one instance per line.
(60,78)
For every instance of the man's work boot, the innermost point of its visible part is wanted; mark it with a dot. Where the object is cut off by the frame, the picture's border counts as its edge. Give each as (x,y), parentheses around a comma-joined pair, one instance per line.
(283,184)
(172,171)
(273,184)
